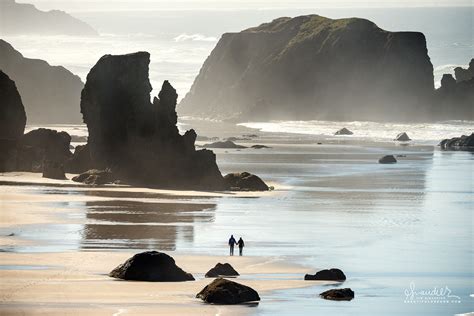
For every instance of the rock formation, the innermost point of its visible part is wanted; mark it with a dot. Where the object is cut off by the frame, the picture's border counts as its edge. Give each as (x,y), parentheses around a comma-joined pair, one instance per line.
(222,270)
(50,94)
(458,143)
(228,144)
(151,266)
(222,291)
(12,122)
(326,275)
(95,177)
(387,159)
(464,74)
(244,181)
(338,294)
(138,140)
(23,18)
(257,146)
(53,170)
(312,67)
(402,137)
(344,131)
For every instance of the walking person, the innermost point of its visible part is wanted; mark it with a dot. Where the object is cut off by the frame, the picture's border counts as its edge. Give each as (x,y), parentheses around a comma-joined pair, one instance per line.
(232,243)
(241,245)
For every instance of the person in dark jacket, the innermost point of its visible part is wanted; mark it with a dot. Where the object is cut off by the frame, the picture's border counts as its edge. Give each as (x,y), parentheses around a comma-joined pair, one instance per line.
(231,244)
(241,245)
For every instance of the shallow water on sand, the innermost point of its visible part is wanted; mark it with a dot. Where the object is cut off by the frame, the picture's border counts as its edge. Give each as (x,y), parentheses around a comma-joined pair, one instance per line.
(385,226)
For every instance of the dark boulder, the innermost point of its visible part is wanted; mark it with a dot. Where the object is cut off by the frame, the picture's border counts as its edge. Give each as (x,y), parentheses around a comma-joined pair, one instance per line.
(259,146)
(225,144)
(326,275)
(95,177)
(458,143)
(53,170)
(80,161)
(244,181)
(138,140)
(343,131)
(151,266)
(462,74)
(221,270)
(222,291)
(338,294)
(388,159)
(402,137)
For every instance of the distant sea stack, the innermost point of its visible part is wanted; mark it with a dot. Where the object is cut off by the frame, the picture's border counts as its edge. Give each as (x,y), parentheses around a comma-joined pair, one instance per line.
(22,18)
(136,139)
(50,94)
(312,67)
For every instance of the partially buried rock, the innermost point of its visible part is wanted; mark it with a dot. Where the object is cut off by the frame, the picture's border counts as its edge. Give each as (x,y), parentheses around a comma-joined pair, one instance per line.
(343,131)
(338,294)
(402,137)
(326,275)
(458,143)
(387,159)
(227,144)
(221,270)
(95,177)
(222,291)
(259,146)
(244,181)
(53,170)
(151,266)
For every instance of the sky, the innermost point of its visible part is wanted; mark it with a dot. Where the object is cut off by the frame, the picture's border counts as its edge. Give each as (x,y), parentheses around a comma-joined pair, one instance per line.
(113,5)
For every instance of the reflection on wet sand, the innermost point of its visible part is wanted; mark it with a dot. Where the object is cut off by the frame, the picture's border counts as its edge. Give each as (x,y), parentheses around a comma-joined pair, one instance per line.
(140,225)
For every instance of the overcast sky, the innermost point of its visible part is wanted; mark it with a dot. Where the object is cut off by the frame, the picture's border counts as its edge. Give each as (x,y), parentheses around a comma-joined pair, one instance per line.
(109,5)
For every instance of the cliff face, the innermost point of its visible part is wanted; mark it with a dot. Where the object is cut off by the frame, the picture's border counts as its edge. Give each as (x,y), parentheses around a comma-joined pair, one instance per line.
(23,18)
(50,94)
(138,140)
(312,67)
(12,112)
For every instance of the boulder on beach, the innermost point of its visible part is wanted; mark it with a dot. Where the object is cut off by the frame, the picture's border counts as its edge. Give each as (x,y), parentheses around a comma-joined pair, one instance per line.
(338,294)
(95,177)
(244,181)
(326,275)
(458,143)
(402,137)
(222,270)
(388,159)
(222,291)
(343,131)
(80,161)
(228,144)
(138,139)
(259,146)
(53,170)
(151,266)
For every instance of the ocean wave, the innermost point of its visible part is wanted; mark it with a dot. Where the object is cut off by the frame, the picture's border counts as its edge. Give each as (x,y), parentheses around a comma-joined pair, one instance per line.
(194,37)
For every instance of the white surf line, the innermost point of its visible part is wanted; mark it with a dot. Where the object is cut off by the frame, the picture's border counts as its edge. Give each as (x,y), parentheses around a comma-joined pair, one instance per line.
(120,312)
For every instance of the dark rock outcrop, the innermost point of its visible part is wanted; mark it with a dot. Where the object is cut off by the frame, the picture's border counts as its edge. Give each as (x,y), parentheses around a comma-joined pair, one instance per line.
(244,181)
(387,159)
(23,18)
(312,67)
(80,161)
(12,122)
(462,74)
(136,139)
(402,137)
(259,146)
(226,144)
(95,177)
(151,266)
(50,94)
(53,170)
(221,270)
(338,294)
(458,143)
(12,112)
(222,291)
(343,131)
(326,275)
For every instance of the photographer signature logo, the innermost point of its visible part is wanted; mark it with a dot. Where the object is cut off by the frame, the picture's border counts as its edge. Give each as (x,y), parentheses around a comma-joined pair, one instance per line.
(442,295)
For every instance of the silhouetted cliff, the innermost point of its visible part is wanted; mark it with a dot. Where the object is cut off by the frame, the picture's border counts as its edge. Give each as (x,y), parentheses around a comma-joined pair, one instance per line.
(312,67)
(50,94)
(23,18)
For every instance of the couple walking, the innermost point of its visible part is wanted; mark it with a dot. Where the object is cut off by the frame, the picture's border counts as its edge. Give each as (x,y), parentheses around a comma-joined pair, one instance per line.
(232,243)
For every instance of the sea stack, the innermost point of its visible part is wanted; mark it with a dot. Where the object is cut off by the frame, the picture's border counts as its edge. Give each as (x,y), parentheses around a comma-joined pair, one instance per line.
(136,139)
